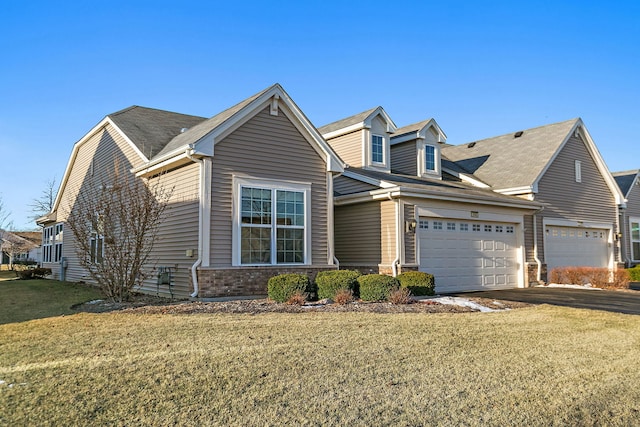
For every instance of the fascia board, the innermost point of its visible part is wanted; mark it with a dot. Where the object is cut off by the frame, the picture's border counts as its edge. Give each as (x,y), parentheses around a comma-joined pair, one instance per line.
(421,194)
(391,126)
(344,131)
(368,180)
(167,164)
(526,189)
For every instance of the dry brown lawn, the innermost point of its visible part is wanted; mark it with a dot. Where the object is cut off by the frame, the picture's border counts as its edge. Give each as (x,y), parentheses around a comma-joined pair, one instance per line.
(533,366)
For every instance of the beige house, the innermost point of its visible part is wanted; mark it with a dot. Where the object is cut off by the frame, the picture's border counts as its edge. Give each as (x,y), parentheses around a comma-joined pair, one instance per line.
(629,183)
(488,214)
(397,210)
(252,194)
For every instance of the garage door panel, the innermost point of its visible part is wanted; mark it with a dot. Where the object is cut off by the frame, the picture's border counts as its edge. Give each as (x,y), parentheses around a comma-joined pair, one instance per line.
(468,255)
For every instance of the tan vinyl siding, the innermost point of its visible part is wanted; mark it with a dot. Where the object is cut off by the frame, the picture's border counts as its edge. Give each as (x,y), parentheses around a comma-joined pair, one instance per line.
(349,148)
(344,185)
(106,148)
(632,210)
(358,233)
(267,147)
(389,232)
(404,158)
(365,233)
(589,200)
(178,231)
(409,238)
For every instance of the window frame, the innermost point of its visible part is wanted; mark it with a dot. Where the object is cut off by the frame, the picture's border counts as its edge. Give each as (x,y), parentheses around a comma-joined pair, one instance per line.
(274,186)
(58,240)
(422,159)
(382,150)
(633,255)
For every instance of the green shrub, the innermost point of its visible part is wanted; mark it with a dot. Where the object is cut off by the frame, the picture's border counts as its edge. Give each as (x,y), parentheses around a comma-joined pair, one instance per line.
(418,282)
(377,287)
(634,273)
(330,282)
(282,287)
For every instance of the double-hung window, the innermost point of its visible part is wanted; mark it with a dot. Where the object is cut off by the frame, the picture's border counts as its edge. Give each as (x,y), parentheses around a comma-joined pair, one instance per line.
(377,149)
(273,223)
(47,244)
(430,158)
(634,225)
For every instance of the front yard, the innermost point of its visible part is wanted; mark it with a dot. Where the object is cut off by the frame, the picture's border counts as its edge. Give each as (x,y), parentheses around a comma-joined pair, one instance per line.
(531,366)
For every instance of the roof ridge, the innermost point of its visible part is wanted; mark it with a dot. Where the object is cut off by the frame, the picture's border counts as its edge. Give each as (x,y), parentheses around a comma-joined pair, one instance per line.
(124,110)
(523,130)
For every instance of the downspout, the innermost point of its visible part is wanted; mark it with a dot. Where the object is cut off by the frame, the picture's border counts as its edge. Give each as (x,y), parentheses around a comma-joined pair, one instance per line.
(194,267)
(394,264)
(535,244)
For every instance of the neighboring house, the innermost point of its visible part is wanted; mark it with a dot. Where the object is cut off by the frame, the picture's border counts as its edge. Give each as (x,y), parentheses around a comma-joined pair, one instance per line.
(21,246)
(629,183)
(395,211)
(252,193)
(559,166)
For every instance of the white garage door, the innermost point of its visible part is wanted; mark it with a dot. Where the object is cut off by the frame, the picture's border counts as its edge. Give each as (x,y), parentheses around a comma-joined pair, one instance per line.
(573,246)
(468,255)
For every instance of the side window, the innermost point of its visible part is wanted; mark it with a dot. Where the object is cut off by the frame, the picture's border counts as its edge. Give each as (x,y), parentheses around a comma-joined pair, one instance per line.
(377,149)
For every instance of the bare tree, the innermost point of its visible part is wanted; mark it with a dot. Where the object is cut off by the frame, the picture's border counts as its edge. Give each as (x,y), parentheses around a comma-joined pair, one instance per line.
(44,204)
(115,225)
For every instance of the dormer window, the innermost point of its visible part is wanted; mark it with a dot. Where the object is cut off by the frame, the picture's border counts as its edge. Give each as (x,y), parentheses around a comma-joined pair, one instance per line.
(377,149)
(429,160)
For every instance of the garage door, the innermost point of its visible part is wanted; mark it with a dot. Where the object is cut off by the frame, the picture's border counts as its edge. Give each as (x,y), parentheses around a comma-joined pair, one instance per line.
(468,255)
(573,246)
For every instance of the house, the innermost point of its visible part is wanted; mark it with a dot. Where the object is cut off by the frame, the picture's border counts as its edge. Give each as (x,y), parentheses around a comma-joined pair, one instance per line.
(397,210)
(252,194)
(20,246)
(559,166)
(490,214)
(629,184)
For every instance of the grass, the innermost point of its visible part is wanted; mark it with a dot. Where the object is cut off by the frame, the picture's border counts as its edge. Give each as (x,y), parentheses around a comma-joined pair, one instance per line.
(536,366)
(22,300)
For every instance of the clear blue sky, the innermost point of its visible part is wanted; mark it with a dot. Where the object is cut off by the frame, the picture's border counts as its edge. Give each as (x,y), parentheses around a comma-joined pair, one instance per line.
(481,69)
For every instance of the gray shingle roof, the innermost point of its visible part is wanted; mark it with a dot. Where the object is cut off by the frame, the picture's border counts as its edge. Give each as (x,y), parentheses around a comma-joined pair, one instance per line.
(150,129)
(341,124)
(415,127)
(446,188)
(625,180)
(206,126)
(507,161)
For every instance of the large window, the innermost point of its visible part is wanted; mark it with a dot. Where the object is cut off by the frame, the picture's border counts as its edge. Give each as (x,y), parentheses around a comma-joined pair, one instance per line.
(377,149)
(52,243)
(96,244)
(635,238)
(273,224)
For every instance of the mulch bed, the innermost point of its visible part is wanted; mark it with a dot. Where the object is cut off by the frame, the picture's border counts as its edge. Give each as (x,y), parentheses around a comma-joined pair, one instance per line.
(147,304)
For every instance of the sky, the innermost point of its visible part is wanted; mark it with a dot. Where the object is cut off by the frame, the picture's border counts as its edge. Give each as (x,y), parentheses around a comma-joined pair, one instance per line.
(481,69)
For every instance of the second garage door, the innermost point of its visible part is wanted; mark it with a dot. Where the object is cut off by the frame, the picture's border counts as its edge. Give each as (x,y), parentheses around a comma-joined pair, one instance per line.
(574,246)
(468,255)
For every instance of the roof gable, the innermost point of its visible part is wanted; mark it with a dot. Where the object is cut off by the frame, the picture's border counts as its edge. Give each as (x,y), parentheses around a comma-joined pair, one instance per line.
(357,122)
(418,130)
(625,180)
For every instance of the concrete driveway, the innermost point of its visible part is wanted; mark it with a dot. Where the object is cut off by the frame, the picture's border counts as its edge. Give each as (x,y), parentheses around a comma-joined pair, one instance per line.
(616,301)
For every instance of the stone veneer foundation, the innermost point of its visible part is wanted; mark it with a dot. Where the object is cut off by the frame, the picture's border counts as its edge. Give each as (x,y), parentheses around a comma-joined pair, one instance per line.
(245,281)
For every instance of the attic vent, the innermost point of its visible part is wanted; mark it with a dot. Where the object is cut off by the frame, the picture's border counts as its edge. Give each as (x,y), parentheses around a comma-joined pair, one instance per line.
(183,130)
(471,145)
(518,134)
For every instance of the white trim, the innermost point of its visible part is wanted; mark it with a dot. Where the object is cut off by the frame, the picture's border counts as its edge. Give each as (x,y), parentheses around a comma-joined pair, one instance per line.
(632,219)
(466,178)
(382,163)
(422,160)
(330,221)
(367,180)
(420,133)
(205,203)
(273,185)
(343,131)
(526,189)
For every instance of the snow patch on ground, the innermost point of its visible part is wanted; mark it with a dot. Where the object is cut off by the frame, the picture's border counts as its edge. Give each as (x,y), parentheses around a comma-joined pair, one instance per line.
(462,302)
